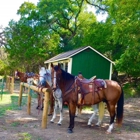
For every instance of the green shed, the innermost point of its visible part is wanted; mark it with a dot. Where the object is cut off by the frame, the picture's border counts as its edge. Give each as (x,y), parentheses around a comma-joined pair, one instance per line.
(86,60)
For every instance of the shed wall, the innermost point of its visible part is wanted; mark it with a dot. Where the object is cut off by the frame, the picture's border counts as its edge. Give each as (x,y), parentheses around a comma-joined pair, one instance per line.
(90,63)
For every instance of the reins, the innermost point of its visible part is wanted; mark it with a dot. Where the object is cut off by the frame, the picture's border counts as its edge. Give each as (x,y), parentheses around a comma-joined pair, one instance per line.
(69,89)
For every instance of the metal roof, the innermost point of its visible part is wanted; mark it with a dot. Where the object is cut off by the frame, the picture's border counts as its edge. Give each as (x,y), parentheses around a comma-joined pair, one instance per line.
(71,53)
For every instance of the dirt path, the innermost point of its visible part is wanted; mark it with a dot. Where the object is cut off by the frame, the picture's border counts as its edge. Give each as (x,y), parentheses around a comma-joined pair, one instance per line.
(17,125)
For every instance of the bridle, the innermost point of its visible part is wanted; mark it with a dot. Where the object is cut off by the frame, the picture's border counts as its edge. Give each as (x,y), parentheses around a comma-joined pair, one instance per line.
(56,79)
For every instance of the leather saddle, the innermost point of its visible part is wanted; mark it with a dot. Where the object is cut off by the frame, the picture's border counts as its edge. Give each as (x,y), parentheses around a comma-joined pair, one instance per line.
(92,85)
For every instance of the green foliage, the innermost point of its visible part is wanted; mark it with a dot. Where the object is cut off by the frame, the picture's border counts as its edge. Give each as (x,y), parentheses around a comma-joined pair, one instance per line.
(125,18)
(2,67)
(129,62)
(52,27)
(130,90)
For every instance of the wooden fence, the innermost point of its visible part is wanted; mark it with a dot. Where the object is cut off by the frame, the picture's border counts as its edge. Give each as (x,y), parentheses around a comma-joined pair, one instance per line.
(46,92)
(1,86)
(10,83)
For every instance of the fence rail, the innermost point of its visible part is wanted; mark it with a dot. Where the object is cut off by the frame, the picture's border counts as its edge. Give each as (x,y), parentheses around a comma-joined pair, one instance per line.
(45,91)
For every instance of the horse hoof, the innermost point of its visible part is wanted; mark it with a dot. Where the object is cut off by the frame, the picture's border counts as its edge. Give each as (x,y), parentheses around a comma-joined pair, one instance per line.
(97,125)
(59,124)
(108,132)
(51,122)
(37,107)
(70,131)
(89,126)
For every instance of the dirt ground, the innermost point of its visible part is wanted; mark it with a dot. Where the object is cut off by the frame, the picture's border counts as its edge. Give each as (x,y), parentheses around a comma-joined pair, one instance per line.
(17,125)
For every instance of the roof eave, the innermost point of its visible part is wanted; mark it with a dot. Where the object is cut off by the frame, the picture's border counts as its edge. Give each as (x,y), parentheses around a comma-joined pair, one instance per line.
(79,52)
(51,61)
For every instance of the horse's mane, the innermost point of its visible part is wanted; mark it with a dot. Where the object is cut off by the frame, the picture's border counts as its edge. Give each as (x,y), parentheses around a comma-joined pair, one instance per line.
(20,73)
(48,71)
(65,75)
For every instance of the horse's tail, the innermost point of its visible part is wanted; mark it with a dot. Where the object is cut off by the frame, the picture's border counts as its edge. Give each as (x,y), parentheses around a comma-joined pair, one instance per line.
(120,105)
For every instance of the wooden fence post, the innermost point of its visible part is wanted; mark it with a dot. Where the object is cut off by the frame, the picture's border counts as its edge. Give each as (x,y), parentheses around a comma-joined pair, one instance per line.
(29,102)
(10,83)
(20,94)
(45,111)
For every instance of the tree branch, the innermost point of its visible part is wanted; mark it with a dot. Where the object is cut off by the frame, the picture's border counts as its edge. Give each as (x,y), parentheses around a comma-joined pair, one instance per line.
(95,5)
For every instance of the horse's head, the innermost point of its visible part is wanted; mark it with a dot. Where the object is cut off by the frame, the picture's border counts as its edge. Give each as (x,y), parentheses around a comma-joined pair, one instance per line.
(16,74)
(45,76)
(30,81)
(48,77)
(55,73)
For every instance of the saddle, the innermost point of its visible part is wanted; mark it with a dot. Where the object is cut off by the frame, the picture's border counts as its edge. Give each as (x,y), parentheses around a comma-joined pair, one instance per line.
(29,74)
(92,85)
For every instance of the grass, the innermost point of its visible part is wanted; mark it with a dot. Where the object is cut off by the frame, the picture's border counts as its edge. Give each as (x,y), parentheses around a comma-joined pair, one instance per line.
(27,136)
(10,102)
(15,124)
(87,108)
(24,136)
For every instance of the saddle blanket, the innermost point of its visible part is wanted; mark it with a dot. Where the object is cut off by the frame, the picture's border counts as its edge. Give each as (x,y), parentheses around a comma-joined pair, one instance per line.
(100,83)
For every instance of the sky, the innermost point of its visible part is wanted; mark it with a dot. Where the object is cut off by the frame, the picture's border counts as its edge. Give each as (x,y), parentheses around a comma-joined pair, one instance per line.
(8,10)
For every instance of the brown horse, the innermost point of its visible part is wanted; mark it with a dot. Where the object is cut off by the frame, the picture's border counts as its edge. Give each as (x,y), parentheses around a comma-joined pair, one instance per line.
(37,80)
(27,78)
(106,90)
(24,76)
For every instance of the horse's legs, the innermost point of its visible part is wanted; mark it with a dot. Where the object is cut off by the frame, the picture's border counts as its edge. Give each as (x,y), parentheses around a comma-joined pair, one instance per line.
(72,110)
(54,112)
(60,103)
(42,103)
(95,108)
(38,98)
(78,110)
(101,113)
(111,109)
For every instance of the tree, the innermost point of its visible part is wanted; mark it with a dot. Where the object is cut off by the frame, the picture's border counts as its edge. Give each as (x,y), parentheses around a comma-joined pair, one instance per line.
(126,25)
(2,38)
(27,43)
(62,18)
(129,62)
(55,26)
